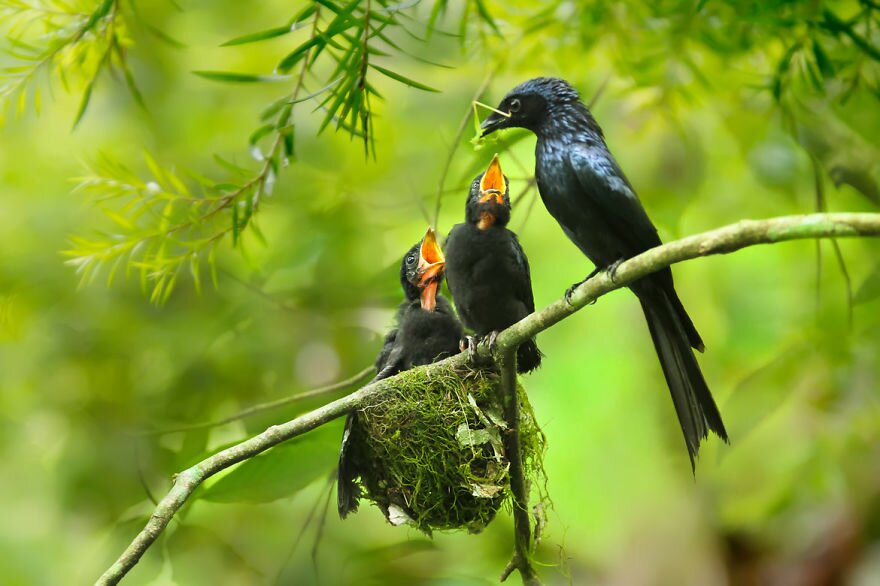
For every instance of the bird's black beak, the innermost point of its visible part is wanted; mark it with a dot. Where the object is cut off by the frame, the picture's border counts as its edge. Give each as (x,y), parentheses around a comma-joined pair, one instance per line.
(492,185)
(494,122)
(432,263)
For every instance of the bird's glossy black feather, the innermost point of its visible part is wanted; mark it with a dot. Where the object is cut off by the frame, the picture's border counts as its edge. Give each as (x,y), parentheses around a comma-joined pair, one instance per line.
(585,190)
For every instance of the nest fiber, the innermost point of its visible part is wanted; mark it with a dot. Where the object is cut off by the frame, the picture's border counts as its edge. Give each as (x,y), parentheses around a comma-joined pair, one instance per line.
(431,451)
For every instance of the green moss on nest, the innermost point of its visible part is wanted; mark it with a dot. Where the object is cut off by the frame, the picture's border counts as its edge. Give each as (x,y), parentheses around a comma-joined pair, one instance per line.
(431,450)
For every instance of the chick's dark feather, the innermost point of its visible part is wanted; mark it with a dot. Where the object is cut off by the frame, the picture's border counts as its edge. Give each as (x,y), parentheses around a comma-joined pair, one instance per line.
(489,278)
(421,337)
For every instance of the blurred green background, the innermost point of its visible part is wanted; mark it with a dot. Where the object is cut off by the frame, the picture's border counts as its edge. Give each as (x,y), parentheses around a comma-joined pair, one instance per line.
(718,111)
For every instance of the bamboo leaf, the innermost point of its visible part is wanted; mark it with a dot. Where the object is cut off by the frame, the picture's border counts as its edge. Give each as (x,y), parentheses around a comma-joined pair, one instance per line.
(271,33)
(484,13)
(98,14)
(403,79)
(84,102)
(870,287)
(260,132)
(235,77)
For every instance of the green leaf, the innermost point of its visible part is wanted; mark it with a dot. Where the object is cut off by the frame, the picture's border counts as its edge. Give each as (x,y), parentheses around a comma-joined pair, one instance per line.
(280,472)
(234,77)
(870,287)
(271,33)
(822,60)
(195,271)
(274,108)
(199,555)
(130,82)
(402,79)
(98,14)
(163,36)
(484,13)
(294,56)
(438,9)
(259,133)
(84,102)
(230,166)
(235,224)
(342,22)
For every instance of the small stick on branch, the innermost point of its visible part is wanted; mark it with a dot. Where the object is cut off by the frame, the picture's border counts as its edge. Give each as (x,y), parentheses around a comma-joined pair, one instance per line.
(720,241)
(268,406)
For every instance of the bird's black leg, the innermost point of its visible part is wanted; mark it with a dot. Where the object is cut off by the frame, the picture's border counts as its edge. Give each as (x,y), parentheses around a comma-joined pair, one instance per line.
(571,289)
(612,269)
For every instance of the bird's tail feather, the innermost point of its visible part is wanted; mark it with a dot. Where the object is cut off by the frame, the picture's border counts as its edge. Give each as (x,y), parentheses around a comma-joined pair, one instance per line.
(674,334)
(528,356)
(347,491)
(684,319)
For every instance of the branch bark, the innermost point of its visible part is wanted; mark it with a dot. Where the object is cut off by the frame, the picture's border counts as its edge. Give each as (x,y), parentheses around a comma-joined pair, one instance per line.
(721,241)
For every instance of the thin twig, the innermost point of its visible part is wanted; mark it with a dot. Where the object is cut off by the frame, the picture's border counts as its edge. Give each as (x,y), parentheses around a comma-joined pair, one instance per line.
(278,303)
(847,282)
(598,93)
(141,476)
(822,206)
(720,241)
(308,521)
(268,406)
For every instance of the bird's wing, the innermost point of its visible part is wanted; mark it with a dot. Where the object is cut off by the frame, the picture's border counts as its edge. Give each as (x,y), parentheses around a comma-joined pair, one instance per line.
(603,182)
(392,357)
(387,347)
(522,285)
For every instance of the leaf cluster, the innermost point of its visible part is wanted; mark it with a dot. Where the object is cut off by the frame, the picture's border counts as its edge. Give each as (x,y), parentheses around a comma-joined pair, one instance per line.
(160,226)
(67,42)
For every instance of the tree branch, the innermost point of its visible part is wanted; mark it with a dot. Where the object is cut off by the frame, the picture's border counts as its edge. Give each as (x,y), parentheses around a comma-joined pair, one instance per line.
(518,486)
(720,241)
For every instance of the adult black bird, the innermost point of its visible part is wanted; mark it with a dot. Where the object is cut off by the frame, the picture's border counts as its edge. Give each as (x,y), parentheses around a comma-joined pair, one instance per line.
(486,268)
(427,331)
(583,187)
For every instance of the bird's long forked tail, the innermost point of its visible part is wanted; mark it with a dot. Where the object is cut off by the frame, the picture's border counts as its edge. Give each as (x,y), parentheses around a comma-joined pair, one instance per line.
(696,409)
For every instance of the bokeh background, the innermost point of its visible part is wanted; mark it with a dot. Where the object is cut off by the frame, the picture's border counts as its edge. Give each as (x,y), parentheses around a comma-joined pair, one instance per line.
(718,111)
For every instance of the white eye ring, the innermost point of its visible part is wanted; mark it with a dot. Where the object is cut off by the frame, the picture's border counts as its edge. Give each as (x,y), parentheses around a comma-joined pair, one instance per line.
(514,105)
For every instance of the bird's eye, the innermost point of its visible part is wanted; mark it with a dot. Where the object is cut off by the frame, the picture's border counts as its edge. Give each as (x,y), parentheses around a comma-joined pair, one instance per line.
(411,259)
(514,105)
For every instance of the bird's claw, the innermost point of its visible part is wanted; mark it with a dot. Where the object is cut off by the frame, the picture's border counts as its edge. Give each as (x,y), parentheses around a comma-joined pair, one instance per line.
(612,269)
(490,340)
(471,349)
(570,291)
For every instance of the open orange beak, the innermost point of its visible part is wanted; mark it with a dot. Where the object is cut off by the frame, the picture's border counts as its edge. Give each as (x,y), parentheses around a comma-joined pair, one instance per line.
(432,263)
(492,185)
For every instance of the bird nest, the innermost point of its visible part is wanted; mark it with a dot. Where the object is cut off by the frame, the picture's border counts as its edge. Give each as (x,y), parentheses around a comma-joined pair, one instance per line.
(431,450)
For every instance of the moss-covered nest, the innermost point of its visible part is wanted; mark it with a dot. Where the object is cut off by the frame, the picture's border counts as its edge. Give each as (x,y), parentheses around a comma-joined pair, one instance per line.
(431,453)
